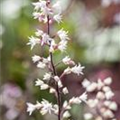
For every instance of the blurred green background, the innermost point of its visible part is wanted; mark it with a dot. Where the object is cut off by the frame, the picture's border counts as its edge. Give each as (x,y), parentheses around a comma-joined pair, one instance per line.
(94,29)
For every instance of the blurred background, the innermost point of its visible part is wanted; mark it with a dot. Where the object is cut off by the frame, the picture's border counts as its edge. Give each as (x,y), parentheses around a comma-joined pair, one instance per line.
(94,29)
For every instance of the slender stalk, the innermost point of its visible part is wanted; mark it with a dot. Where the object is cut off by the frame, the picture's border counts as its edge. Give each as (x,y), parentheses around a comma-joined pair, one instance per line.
(55,73)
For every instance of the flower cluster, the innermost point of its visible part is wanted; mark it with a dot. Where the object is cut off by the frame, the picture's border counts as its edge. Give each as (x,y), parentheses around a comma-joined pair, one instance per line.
(103,102)
(12,100)
(46,12)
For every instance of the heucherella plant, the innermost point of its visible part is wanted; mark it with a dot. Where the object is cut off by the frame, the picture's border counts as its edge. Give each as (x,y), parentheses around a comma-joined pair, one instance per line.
(47,13)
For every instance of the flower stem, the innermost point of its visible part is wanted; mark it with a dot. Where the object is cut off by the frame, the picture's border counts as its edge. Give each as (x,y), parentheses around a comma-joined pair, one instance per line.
(55,73)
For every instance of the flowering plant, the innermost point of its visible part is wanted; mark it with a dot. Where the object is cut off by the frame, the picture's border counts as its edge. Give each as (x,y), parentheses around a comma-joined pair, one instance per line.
(47,13)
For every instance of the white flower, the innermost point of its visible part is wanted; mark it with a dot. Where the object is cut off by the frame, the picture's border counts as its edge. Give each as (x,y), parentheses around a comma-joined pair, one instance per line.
(68,61)
(109,94)
(67,70)
(92,103)
(58,18)
(56,78)
(40,17)
(36,15)
(55,109)
(66,114)
(108,81)
(52,90)
(106,88)
(63,34)
(62,45)
(85,83)
(75,100)
(106,3)
(100,84)
(33,41)
(107,103)
(30,108)
(53,46)
(46,107)
(60,84)
(41,65)
(57,7)
(77,69)
(36,58)
(44,87)
(38,105)
(39,5)
(83,97)
(113,106)
(88,116)
(45,39)
(65,90)
(92,87)
(39,33)
(47,76)
(38,82)
(66,105)
(100,95)
(108,114)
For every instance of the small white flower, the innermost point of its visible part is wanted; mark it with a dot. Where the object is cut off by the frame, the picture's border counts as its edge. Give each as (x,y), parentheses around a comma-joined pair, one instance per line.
(38,82)
(106,88)
(41,65)
(66,105)
(56,78)
(46,107)
(55,109)
(58,18)
(53,46)
(92,87)
(75,100)
(92,103)
(100,84)
(85,83)
(63,34)
(67,70)
(83,97)
(113,106)
(30,108)
(65,90)
(108,81)
(36,58)
(108,114)
(33,41)
(39,33)
(107,103)
(66,114)
(109,94)
(88,116)
(39,5)
(44,87)
(45,60)
(77,69)
(62,45)
(52,90)
(100,95)
(45,39)
(67,61)
(106,3)
(57,7)
(38,105)
(60,84)
(47,76)
(37,15)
